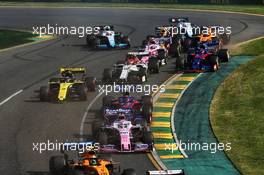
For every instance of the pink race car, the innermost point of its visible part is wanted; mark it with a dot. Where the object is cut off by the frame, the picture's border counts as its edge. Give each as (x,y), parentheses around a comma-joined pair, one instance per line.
(122,136)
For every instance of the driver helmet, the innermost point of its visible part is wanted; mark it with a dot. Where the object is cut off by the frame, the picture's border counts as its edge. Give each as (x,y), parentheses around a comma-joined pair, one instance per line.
(202,48)
(90,154)
(121,116)
(132,59)
(152,41)
(163,32)
(67,74)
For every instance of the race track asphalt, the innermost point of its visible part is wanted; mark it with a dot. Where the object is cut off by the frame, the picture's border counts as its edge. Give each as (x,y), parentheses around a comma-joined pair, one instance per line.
(24,120)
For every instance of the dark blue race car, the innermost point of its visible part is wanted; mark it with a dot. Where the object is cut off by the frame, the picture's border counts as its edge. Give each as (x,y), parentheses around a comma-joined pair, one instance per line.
(202,58)
(136,111)
(107,38)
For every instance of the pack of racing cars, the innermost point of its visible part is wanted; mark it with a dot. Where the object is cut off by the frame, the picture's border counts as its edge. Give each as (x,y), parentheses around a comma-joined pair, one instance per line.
(124,125)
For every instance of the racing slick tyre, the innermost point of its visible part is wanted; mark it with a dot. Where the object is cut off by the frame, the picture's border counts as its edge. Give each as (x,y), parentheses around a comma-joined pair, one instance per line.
(95,42)
(107,75)
(126,40)
(154,65)
(142,75)
(107,101)
(129,171)
(147,112)
(223,54)
(180,63)
(214,63)
(44,93)
(82,93)
(147,100)
(162,56)
(90,83)
(148,137)
(57,165)
(103,138)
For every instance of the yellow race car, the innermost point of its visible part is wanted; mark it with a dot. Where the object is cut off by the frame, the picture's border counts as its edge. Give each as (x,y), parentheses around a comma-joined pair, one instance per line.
(72,84)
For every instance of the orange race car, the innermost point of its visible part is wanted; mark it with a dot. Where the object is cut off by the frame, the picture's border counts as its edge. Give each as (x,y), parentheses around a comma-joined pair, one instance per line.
(212,37)
(87,163)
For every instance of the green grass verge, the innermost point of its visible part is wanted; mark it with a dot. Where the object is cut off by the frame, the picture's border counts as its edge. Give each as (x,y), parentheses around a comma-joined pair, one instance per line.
(255,9)
(237,111)
(9,38)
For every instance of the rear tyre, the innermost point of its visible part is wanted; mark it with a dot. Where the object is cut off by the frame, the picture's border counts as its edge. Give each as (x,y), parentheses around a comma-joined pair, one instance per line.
(147,112)
(142,75)
(147,100)
(43,93)
(148,137)
(162,56)
(57,165)
(223,54)
(154,65)
(126,40)
(214,63)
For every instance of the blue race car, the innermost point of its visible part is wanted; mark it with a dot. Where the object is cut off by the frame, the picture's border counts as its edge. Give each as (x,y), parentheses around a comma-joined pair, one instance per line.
(202,58)
(107,38)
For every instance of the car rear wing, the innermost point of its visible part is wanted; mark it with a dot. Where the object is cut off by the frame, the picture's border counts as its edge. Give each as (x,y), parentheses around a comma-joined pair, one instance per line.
(75,70)
(166,172)
(178,19)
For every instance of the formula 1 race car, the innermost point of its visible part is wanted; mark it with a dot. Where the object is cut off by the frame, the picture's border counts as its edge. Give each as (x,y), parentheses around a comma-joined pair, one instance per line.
(136,111)
(202,59)
(107,38)
(158,50)
(132,70)
(183,23)
(86,163)
(122,136)
(68,86)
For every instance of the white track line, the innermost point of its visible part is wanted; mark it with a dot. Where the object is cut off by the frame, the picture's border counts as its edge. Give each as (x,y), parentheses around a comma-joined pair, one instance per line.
(10,97)
(86,114)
